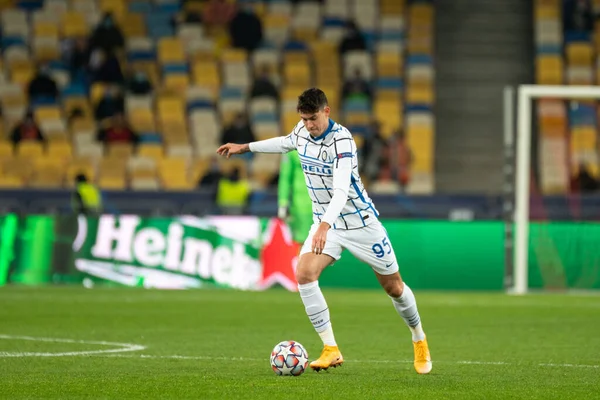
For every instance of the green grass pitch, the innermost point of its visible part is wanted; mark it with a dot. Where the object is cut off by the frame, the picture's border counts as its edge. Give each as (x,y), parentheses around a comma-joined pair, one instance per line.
(215,344)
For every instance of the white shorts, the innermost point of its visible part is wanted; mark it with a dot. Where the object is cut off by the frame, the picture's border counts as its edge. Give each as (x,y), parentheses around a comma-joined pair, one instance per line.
(370,244)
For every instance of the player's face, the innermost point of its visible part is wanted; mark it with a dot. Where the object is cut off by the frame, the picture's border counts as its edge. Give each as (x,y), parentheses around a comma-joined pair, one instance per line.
(317,123)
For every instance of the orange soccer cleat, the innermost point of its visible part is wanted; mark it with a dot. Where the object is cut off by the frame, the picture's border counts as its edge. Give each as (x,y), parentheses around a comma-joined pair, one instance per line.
(330,357)
(422,357)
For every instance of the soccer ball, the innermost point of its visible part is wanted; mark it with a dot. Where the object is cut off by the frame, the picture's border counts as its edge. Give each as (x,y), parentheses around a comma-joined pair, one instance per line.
(289,358)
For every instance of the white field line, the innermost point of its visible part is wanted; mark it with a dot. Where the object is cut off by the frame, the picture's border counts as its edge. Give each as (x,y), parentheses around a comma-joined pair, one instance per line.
(117,347)
(211,358)
(128,347)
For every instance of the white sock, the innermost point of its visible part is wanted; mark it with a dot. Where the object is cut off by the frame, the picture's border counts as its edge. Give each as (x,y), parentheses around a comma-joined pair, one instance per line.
(317,311)
(406,305)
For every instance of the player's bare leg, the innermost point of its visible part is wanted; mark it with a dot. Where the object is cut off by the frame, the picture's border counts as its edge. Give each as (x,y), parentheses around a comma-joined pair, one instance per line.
(308,270)
(406,305)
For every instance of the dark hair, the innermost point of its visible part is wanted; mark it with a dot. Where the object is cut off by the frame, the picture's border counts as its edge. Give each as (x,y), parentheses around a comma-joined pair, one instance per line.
(311,101)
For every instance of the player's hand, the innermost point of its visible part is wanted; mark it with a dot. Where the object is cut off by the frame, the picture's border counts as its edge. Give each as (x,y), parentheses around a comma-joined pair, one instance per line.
(320,237)
(229,149)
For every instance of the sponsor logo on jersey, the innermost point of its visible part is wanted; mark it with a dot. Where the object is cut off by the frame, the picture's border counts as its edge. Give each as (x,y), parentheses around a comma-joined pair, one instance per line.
(344,155)
(317,169)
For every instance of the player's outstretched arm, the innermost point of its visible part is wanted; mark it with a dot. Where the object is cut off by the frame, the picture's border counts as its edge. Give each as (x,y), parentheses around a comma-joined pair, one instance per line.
(229,149)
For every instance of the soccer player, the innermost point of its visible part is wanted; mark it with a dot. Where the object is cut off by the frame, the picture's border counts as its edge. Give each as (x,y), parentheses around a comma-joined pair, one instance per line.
(344,217)
(295,204)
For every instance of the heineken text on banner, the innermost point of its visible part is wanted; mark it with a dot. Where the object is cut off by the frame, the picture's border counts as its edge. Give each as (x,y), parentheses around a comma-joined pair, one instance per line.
(178,253)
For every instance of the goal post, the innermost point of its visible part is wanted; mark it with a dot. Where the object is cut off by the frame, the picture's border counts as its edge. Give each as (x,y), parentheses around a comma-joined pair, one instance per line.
(526,94)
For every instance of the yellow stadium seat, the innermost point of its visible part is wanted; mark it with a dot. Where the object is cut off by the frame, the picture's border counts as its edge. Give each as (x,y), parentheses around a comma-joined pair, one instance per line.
(46,29)
(177,81)
(546,12)
(154,151)
(74,24)
(389,114)
(419,94)
(22,75)
(60,149)
(388,65)
(170,50)
(11,182)
(232,55)
(21,167)
(30,148)
(112,182)
(133,25)
(549,70)
(206,73)
(80,166)
(421,13)
(392,7)
(82,103)
(297,74)
(142,119)
(116,7)
(45,113)
(119,150)
(305,33)
(6,149)
(579,54)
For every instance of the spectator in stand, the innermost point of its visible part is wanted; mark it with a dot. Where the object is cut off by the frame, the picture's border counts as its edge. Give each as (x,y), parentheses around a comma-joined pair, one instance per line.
(112,103)
(27,129)
(118,131)
(107,35)
(373,151)
(578,16)
(105,67)
(397,160)
(584,181)
(217,14)
(233,193)
(79,57)
(239,131)
(245,29)
(352,40)
(356,87)
(263,86)
(138,83)
(42,85)
(186,17)
(213,176)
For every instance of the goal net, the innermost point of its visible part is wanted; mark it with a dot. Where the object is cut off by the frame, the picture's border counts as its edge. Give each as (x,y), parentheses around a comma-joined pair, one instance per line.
(556,236)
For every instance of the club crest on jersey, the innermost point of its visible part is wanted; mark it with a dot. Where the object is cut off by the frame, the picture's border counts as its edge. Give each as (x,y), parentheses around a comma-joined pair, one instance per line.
(344,155)
(324,156)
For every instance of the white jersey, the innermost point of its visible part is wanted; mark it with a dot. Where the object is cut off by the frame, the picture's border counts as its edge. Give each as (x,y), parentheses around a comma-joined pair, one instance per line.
(320,157)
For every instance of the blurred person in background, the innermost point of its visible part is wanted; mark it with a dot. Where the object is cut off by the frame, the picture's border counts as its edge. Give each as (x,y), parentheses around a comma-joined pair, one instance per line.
(42,85)
(78,57)
(137,82)
(112,103)
(217,14)
(584,181)
(373,152)
(352,40)
(245,29)
(578,16)
(107,35)
(356,87)
(295,205)
(27,129)
(118,131)
(263,85)
(233,193)
(86,198)
(239,131)
(397,160)
(105,67)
